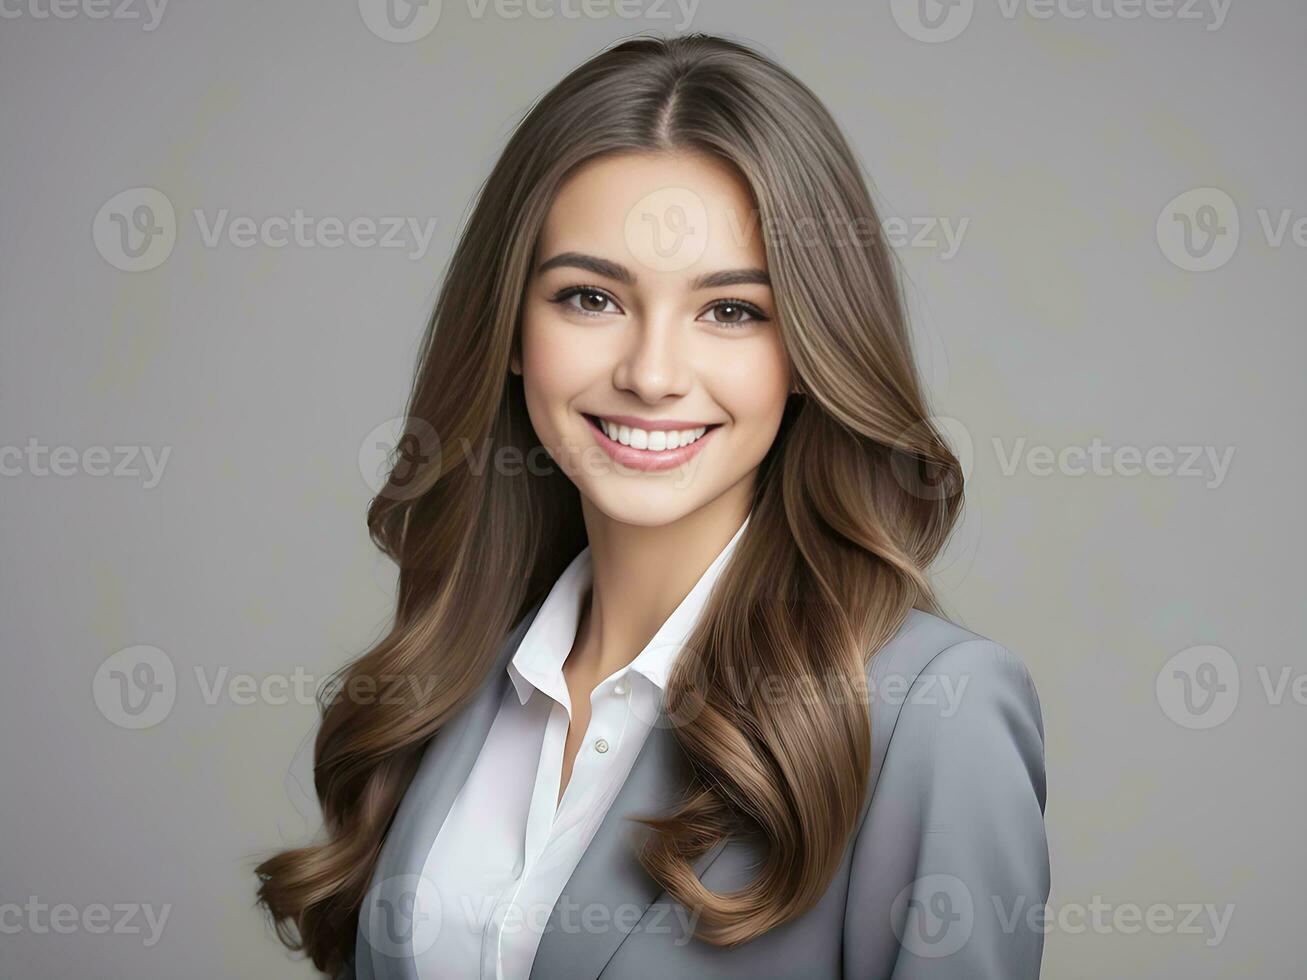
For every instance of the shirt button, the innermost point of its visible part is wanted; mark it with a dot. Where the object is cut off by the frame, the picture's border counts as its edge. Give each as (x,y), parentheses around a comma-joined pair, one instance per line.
(601,745)
(619,687)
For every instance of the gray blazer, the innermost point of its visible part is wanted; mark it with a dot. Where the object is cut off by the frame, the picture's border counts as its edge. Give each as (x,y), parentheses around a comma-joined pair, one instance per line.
(946,876)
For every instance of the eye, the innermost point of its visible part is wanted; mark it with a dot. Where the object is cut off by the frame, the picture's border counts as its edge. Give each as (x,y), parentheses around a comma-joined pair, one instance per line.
(592,300)
(735,312)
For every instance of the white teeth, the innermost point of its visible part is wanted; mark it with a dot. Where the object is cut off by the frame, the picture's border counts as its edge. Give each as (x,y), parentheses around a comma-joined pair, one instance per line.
(652,440)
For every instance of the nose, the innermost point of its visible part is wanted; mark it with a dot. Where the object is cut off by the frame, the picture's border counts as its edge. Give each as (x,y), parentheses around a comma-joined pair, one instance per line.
(655,362)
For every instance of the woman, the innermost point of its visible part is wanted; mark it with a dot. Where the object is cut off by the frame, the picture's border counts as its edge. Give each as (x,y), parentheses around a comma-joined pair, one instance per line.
(668,693)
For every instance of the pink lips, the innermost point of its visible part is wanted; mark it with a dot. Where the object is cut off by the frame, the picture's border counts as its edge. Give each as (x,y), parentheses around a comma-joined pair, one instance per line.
(648,460)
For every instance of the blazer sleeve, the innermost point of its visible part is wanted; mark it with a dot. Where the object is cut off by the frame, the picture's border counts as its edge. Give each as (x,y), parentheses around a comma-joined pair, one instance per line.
(950,870)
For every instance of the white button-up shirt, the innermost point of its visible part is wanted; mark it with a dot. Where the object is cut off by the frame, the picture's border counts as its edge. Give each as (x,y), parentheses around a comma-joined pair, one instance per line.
(508,845)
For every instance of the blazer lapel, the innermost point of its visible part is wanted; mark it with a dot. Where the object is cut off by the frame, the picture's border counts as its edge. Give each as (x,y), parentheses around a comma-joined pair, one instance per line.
(444,769)
(609,880)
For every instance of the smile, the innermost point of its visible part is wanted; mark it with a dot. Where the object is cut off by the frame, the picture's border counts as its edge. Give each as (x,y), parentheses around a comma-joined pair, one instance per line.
(649,449)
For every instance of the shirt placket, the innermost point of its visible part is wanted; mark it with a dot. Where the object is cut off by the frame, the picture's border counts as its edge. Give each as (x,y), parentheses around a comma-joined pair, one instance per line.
(536,838)
(609,715)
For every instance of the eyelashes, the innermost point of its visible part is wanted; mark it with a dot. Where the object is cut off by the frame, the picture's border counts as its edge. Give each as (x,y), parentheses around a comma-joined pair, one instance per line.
(564,298)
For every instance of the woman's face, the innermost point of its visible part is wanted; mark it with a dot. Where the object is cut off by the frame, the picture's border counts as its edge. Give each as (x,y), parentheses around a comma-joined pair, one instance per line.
(648,321)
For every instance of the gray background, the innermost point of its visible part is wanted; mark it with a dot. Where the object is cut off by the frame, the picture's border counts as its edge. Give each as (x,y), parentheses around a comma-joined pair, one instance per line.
(1064,317)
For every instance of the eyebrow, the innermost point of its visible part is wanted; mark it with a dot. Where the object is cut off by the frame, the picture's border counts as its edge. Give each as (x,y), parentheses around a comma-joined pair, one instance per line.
(615,270)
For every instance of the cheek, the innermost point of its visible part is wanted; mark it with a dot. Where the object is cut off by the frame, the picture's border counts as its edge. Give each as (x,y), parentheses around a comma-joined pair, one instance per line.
(755,388)
(541,360)
(555,363)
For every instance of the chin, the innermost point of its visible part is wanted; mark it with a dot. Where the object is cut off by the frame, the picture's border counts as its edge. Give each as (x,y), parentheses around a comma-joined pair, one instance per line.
(646,507)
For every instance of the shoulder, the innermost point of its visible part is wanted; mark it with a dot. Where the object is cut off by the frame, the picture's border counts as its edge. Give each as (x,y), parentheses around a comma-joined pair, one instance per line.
(955,810)
(933,671)
(928,644)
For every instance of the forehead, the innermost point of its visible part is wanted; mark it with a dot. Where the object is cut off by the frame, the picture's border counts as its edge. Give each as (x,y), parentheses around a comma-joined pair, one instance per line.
(662,214)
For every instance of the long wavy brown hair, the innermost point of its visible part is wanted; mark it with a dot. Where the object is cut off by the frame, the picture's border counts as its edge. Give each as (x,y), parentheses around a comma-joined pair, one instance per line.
(853,501)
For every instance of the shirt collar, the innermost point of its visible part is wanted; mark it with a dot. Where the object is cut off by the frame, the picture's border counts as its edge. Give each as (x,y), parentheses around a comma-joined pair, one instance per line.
(538,660)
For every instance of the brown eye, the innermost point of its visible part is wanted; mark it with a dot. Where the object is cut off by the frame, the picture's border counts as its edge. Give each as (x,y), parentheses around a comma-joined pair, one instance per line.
(735,313)
(585,299)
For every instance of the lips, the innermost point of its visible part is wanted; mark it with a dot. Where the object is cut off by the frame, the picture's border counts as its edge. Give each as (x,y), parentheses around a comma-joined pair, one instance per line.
(649,460)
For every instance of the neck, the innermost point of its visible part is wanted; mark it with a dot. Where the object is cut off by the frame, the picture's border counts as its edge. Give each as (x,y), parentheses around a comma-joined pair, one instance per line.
(641,574)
